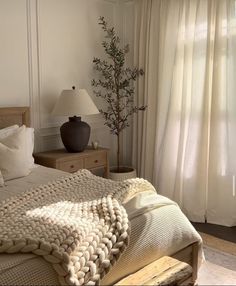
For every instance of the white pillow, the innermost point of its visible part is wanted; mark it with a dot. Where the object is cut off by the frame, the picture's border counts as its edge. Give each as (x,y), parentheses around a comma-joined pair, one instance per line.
(29,140)
(13,155)
(1,180)
(30,145)
(8,131)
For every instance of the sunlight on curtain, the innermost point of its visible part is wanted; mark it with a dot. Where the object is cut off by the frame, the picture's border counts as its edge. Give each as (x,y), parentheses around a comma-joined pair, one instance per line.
(186,141)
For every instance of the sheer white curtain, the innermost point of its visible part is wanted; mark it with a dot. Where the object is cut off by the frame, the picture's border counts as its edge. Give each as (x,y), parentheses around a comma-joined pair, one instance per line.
(186,141)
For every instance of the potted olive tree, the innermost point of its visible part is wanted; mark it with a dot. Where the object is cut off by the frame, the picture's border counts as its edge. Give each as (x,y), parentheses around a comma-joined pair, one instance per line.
(116,86)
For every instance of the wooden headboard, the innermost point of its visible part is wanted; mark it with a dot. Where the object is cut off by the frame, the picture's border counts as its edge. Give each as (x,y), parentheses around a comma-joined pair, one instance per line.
(14,115)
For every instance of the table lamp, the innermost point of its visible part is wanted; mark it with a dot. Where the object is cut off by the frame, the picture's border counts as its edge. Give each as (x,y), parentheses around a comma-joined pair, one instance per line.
(75,133)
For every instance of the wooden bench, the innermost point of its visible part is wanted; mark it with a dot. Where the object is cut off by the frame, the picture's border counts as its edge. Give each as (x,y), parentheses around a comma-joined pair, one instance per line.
(164,271)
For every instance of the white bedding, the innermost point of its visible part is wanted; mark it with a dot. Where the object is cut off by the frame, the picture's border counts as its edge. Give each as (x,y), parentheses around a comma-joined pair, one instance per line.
(158,227)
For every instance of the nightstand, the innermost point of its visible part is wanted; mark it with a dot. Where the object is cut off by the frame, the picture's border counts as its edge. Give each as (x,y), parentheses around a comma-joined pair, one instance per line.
(89,159)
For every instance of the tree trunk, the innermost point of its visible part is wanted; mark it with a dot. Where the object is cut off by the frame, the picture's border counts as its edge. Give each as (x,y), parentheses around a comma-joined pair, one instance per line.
(118,153)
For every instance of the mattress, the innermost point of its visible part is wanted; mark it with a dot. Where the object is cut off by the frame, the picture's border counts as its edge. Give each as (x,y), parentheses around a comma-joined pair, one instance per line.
(158,228)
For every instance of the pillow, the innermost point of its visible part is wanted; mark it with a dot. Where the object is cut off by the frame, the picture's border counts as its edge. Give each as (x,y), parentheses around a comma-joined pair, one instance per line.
(1,180)
(30,146)
(13,155)
(8,131)
(29,140)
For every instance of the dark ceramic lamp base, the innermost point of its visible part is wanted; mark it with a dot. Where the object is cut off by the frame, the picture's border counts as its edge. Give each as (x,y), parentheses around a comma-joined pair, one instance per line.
(75,134)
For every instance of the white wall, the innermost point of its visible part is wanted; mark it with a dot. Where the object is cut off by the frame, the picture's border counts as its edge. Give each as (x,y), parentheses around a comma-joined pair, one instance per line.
(14,72)
(47,46)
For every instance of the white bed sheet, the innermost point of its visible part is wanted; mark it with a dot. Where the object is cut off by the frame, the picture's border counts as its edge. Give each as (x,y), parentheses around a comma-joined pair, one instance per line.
(158,227)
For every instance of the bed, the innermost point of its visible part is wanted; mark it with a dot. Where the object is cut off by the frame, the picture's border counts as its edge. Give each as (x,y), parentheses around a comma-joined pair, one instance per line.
(158,228)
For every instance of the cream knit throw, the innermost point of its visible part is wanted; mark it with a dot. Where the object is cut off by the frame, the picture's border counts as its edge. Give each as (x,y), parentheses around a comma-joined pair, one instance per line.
(76,223)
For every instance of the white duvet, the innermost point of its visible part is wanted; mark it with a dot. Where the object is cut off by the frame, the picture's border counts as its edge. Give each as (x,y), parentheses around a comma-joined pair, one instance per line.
(158,227)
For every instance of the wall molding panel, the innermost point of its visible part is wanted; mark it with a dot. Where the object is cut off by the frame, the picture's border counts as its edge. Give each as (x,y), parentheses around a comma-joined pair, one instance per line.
(47,128)
(33,60)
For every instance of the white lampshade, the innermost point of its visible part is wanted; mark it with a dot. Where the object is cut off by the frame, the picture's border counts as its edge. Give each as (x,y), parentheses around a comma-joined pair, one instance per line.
(74,103)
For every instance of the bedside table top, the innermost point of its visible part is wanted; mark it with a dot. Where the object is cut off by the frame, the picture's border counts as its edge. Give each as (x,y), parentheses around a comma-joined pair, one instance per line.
(62,153)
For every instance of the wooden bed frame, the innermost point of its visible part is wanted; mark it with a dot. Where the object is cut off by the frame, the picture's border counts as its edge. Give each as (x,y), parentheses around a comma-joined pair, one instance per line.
(21,115)
(14,115)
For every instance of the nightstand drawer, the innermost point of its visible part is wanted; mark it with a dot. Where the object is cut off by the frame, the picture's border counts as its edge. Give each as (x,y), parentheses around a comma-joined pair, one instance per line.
(71,166)
(95,160)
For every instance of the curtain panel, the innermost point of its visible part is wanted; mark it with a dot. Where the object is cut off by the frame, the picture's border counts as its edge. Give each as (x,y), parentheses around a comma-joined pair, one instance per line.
(186,140)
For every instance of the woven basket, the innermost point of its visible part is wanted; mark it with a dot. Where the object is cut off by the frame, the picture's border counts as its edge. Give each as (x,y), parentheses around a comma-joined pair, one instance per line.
(126,173)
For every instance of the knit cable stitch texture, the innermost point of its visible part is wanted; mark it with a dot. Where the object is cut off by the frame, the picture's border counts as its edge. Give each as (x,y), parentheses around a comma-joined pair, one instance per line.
(76,223)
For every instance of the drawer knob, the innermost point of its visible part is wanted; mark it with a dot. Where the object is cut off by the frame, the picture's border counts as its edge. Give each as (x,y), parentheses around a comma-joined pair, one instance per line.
(96,161)
(72,166)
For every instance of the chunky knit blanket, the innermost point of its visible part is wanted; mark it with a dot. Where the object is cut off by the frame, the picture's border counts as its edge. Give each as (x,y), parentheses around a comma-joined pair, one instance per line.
(76,223)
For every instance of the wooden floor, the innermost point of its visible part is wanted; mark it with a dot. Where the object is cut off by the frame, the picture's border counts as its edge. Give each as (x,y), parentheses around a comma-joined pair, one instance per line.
(223,232)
